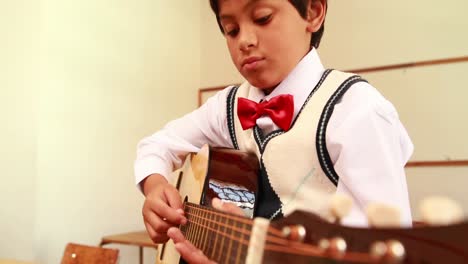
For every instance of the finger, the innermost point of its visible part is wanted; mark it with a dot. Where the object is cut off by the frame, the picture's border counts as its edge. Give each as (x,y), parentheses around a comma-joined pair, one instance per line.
(186,249)
(173,198)
(156,237)
(227,207)
(176,235)
(150,230)
(170,214)
(157,223)
(194,257)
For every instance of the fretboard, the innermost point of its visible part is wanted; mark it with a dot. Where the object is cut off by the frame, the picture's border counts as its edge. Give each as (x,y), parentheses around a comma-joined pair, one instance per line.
(222,237)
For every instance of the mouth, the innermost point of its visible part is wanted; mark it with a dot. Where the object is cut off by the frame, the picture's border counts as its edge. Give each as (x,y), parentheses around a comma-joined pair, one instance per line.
(251,63)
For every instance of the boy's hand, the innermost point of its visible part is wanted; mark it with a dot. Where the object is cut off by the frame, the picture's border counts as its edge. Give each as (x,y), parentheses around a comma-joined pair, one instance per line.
(162,208)
(186,249)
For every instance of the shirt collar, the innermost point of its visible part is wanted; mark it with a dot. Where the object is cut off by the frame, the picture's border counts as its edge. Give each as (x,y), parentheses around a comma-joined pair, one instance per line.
(300,81)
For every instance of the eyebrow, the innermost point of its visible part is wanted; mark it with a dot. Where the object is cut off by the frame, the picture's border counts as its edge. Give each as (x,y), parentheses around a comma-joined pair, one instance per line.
(251,2)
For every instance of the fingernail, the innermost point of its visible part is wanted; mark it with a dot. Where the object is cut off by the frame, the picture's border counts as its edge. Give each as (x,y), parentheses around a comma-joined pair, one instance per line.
(180,211)
(183,221)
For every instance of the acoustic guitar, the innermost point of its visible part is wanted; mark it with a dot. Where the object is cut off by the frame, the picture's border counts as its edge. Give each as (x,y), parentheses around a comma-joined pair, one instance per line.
(301,237)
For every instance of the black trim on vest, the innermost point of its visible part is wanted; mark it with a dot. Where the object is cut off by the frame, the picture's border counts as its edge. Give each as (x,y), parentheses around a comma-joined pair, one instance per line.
(320,141)
(317,86)
(231,115)
(258,136)
(263,141)
(268,204)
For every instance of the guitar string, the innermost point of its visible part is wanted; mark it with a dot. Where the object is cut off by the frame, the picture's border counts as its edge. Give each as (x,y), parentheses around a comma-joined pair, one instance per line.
(230,242)
(224,234)
(278,240)
(200,223)
(239,219)
(284,246)
(238,251)
(287,246)
(204,244)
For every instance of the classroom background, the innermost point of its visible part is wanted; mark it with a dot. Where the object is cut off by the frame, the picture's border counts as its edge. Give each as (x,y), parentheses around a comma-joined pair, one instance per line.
(83,81)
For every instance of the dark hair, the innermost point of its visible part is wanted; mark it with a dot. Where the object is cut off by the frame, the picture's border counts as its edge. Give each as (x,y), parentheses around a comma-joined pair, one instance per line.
(301,7)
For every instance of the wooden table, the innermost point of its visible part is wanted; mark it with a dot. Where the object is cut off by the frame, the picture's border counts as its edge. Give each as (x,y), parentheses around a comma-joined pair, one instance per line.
(140,239)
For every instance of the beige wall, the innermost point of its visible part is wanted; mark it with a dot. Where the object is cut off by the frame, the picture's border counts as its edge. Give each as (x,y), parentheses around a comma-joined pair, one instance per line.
(18,26)
(110,73)
(216,66)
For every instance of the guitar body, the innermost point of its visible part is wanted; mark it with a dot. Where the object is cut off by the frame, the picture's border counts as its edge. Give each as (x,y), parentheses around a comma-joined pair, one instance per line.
(301,237)
(226,174)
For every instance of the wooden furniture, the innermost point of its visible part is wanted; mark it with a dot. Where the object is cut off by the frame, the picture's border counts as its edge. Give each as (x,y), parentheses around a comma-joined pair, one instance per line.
(140,239)
(81,254)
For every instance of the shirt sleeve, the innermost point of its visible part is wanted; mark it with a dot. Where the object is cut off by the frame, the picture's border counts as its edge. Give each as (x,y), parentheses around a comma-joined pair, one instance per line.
(166,149)
(369,148)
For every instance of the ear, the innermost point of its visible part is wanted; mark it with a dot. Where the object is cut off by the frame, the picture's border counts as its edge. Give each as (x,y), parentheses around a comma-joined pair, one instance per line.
(316,11)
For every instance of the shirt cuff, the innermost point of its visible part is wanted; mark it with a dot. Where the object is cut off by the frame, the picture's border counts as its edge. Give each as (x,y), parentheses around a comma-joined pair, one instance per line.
(150,165)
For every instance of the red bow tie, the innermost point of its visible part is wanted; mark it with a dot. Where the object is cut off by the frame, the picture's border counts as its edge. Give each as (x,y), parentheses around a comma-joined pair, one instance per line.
(279,108)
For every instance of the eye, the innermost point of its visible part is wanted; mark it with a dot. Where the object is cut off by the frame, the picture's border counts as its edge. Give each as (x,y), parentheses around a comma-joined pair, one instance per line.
(263,20)
(232,32)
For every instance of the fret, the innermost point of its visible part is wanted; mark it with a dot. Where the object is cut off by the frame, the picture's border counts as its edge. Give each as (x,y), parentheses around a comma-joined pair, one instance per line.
(208,225)
(193,226)
(207,239)
(189,224)
(245,239)
(204,222)
(240,244)
(185,228)
(230,240)
(222,230)
(211,233)
(197,228)
(217,230)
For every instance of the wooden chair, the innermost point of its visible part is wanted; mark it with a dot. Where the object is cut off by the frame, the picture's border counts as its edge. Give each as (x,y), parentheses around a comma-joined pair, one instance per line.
(81,254)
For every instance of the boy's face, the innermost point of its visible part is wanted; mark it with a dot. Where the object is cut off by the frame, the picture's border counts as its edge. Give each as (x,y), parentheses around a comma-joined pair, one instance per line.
(266,38)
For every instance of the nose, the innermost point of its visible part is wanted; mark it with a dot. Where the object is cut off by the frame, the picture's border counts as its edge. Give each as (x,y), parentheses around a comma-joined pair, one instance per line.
(247,39)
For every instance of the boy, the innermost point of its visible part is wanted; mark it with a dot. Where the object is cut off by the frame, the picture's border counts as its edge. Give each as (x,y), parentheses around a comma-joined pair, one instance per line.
(312,129)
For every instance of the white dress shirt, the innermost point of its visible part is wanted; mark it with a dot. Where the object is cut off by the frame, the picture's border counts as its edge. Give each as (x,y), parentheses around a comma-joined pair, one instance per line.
(365,139)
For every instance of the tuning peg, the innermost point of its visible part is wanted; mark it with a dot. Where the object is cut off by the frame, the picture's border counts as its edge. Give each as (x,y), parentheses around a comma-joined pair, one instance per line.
(335,246)
(382,215)
(295,233)
(438,210)
(340,206)
(391,251)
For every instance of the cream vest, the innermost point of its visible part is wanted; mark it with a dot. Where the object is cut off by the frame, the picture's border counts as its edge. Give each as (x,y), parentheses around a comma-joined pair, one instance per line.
(295,165)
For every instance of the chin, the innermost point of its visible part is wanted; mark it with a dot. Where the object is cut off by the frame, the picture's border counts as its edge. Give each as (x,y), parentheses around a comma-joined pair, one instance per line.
(262,83)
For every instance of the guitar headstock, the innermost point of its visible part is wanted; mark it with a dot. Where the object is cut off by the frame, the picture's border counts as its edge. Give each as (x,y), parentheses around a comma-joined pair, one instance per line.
(310,237)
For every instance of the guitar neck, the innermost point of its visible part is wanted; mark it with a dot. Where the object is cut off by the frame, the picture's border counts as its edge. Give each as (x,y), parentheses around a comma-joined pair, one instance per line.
(219,235)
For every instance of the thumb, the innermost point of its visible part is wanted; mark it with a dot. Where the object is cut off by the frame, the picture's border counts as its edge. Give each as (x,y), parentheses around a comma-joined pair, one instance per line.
(227,207)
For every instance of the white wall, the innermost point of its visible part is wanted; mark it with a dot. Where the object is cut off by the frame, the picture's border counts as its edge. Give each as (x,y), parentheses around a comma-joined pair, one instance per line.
(110,73)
